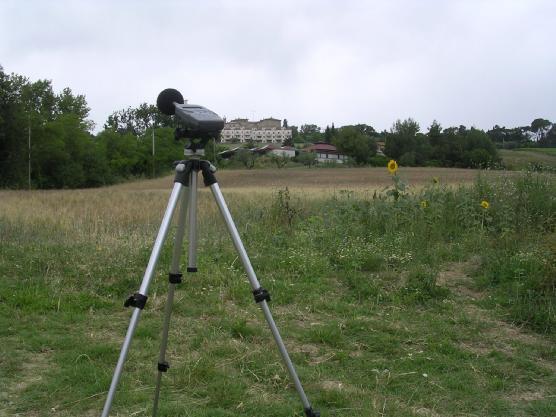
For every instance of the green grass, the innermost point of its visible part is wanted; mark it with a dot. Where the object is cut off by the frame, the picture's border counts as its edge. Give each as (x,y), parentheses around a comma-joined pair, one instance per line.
(387,307)
(529,158)
(547,151)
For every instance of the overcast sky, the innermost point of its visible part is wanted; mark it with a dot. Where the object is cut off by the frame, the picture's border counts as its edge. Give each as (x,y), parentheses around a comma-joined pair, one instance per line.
(477,63)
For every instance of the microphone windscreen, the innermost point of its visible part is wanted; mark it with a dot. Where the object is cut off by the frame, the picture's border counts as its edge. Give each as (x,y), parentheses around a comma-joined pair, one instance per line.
(166,99)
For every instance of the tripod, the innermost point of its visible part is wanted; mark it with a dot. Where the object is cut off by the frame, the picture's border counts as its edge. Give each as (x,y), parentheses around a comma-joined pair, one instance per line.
(186,177)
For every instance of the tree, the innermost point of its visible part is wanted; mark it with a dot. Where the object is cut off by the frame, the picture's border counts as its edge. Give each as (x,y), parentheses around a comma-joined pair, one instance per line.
(327,135)
(541,127)
(288,141)
(295,135)
(408,127)
(540,124)
(67,103)
(13,119)
(62,149)
(355,144)
(310,133)
(401,138)
(137,120)
(550,138)
(366,129)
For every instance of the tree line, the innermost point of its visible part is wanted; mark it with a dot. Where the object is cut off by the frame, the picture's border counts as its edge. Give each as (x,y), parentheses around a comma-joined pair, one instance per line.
(448,147)
(49,136)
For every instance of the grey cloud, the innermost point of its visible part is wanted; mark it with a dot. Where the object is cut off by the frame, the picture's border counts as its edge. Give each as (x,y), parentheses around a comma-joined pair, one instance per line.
(469,62)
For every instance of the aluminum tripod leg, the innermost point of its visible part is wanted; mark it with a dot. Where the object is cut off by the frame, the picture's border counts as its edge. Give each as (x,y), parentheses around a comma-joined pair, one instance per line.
(256,286)
(149,274)
(192,253)
(175,278)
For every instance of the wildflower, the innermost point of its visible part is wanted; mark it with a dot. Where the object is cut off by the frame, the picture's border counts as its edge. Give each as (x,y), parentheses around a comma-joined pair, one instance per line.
(392,166)
(485,204)
(424,204)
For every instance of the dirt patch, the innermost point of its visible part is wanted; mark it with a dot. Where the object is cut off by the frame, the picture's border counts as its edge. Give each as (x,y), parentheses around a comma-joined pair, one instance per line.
(528,396)
(456,277)
(310,350)
(332,385)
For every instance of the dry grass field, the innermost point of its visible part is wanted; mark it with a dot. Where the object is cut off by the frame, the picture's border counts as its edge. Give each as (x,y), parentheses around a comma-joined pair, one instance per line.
(319,179)
(113,212)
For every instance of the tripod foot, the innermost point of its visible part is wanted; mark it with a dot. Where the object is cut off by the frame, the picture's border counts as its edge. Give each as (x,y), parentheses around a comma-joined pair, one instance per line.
(309,412)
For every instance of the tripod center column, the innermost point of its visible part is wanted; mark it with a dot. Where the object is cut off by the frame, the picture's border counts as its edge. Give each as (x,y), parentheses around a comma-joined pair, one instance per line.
(192,255)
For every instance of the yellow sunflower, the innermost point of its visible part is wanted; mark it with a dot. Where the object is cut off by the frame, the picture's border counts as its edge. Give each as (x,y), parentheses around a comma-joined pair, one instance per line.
(485,204)
(392,166)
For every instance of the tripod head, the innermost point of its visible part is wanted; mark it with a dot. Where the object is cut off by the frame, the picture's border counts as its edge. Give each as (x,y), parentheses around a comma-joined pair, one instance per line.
(197,123)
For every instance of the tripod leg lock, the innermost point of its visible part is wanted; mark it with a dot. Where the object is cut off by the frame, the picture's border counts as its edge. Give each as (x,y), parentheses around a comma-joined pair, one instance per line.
(309,412)
(174,277)
(208,174)
(136,300)
(163,366)
(260,294)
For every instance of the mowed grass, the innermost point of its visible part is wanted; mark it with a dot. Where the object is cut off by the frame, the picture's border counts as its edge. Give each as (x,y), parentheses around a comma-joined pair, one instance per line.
(519,159)
(388,308)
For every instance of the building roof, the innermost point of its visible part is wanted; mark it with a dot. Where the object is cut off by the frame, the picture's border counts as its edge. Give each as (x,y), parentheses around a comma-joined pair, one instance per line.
(322,147)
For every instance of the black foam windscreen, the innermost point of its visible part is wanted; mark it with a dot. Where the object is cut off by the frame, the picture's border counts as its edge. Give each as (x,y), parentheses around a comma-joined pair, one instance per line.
(165,101)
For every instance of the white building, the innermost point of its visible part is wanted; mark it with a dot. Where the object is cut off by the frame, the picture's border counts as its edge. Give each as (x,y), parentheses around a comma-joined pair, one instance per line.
(327,153)
(287,151)
(264,131)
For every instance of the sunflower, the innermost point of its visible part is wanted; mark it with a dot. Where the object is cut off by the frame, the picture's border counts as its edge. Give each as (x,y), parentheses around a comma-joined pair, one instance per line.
(424,204)
(392,166)
(485,204)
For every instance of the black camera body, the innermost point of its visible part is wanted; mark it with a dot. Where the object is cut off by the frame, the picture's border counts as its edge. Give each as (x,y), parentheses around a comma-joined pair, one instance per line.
(197,123)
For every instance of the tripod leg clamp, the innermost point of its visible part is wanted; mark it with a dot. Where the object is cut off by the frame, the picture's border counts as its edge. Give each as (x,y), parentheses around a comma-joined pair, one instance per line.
(174,277)
(309,412)
(208,175)
(136,300)
(163,366)
(260,294)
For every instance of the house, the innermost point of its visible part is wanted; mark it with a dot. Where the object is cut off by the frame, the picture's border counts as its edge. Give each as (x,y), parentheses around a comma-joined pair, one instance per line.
(267,130)
(287,151)
(327,153)
(228,153)
(380,147)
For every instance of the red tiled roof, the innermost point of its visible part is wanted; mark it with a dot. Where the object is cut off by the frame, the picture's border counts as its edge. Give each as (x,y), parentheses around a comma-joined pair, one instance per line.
(322,147)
